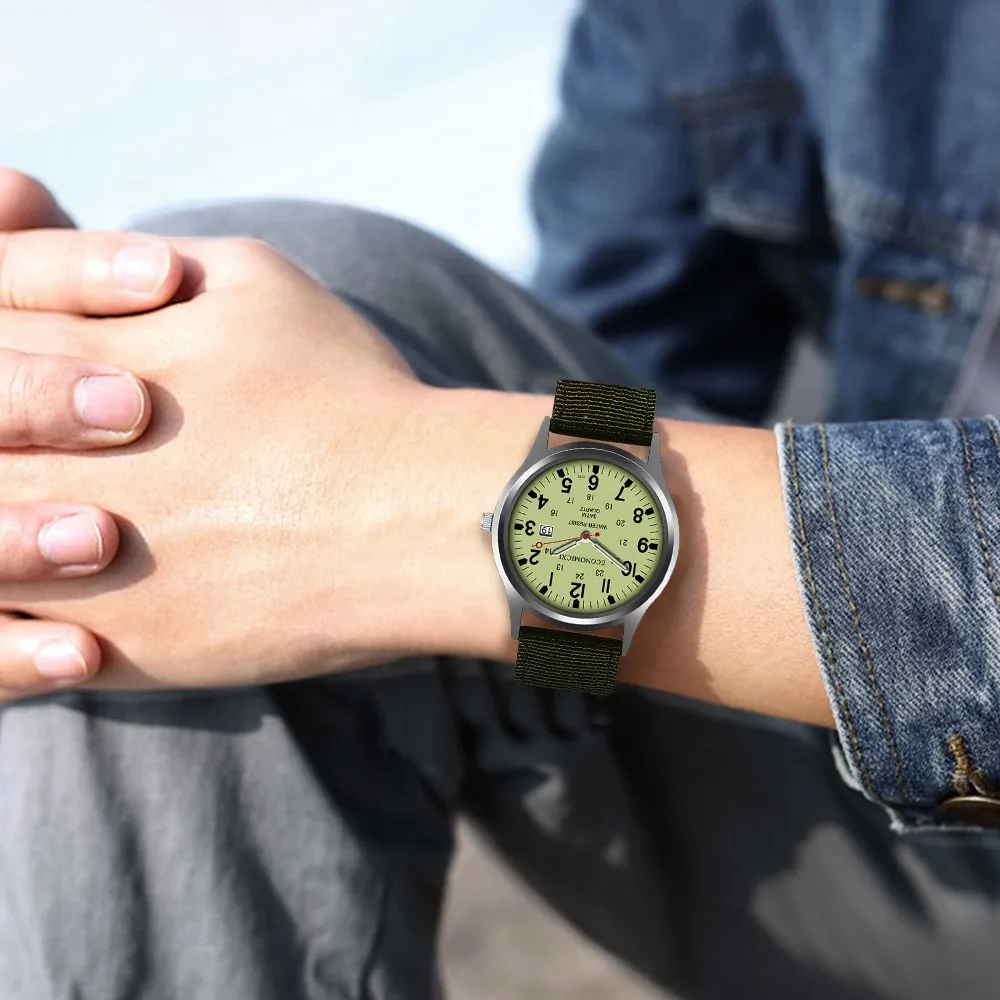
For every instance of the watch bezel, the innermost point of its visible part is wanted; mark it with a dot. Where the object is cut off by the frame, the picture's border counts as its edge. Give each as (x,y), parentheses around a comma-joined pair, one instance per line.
(518,593)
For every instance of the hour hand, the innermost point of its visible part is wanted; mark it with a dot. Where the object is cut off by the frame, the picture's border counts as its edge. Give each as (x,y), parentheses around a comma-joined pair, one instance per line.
(565,545)
(608,554)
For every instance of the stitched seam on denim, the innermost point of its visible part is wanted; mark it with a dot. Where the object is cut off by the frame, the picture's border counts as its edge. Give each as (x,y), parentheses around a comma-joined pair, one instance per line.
(856,616)
(736,97)
(957,741)
(965,772)
(993,434)
(858,207)
(976,517)
(820,617)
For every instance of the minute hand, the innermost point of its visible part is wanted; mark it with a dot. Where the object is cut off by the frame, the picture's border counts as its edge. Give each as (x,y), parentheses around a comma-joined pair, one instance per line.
(608,554)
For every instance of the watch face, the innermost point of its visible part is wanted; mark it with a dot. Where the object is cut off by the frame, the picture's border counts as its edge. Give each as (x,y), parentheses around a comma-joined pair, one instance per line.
(586,536)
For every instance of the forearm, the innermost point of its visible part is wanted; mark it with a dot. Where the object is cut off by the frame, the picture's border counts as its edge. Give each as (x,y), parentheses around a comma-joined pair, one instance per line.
(728,629)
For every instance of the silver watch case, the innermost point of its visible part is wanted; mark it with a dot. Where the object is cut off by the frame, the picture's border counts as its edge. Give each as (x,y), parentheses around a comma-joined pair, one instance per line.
(520,598)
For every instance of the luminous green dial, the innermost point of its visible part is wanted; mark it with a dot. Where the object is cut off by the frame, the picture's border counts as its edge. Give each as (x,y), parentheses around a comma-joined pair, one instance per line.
(586,536)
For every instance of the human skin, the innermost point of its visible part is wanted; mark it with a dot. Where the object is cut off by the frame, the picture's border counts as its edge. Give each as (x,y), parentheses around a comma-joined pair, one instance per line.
(63,402)
(302,504)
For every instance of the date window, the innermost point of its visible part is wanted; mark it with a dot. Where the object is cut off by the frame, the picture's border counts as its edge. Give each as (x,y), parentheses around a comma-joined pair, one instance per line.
(545,529)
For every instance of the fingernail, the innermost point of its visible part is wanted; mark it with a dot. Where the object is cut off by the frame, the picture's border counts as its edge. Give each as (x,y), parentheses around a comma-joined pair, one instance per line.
(72,541)
(59,658)
(141,267)
(110,402)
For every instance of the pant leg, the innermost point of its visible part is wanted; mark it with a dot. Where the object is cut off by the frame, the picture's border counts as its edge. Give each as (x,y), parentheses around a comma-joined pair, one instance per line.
(262,844)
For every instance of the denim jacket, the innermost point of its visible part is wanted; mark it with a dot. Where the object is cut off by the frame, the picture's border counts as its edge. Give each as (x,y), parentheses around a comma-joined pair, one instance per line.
(723,174)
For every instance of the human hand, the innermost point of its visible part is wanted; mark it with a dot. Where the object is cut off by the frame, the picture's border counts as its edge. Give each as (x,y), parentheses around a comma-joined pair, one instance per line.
(62,402)
(276,512)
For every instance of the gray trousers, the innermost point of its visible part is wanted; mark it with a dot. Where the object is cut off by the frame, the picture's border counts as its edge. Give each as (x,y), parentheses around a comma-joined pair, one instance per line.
(293,841)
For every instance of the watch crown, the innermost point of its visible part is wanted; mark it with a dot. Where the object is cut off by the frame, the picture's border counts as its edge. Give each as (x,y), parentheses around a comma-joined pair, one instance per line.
(487,522)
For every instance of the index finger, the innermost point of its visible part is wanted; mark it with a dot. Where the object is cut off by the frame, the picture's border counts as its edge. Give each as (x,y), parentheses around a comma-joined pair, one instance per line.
(96,274)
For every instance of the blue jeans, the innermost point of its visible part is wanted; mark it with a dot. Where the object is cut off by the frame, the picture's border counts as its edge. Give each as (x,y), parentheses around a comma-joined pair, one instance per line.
(293,841)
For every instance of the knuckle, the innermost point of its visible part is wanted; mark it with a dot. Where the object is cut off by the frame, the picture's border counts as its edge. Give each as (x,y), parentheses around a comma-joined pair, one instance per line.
(17,563)
(248,257)
(16,380)
(25,399)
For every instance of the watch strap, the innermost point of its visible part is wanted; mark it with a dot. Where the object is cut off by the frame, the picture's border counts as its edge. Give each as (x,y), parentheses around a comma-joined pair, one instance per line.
(603,412)
(577,661)
(569,661)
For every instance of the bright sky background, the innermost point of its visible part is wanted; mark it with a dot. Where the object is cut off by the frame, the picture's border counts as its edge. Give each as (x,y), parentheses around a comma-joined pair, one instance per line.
(430,110)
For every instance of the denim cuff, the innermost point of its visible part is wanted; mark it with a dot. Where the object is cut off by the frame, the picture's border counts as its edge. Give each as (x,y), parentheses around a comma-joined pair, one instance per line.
(895,530)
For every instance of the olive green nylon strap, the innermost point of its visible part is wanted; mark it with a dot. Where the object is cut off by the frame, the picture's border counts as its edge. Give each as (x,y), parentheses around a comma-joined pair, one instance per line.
(570,661)
(575,661)
(604,412)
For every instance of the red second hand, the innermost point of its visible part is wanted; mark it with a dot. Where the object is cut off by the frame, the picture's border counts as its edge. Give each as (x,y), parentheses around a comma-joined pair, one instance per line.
(556,541)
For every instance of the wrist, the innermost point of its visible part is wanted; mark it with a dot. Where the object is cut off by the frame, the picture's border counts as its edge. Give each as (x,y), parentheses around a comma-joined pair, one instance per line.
(408,572)
(727,629)
(471,443)
(468,442)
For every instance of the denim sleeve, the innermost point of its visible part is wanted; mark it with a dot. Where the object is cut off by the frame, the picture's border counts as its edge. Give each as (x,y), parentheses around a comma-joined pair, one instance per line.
(895,529)
(623,245)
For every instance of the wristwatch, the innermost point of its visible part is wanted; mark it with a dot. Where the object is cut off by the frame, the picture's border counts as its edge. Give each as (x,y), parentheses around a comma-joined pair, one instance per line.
(585,537)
